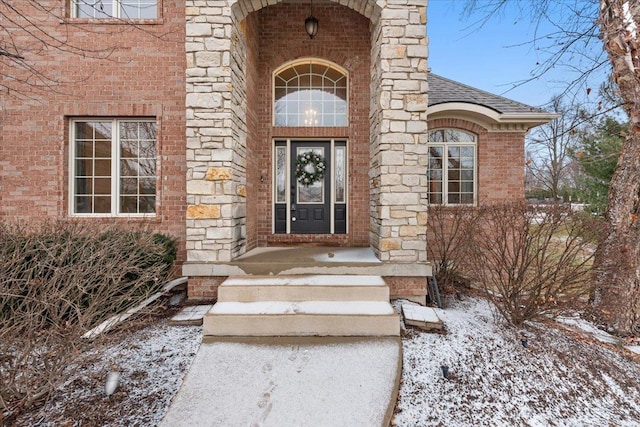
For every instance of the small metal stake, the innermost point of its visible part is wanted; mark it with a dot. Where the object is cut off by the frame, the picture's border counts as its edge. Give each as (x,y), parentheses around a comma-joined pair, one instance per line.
(445,371)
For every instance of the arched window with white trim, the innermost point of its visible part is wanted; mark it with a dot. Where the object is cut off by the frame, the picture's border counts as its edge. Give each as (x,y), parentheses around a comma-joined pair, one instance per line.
(452,167)
(310,93)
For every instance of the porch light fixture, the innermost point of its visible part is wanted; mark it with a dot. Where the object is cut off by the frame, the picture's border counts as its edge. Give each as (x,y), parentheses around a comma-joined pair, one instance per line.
(311,24)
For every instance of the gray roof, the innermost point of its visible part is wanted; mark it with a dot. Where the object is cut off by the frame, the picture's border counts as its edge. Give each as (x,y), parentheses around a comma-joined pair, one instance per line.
(442,90)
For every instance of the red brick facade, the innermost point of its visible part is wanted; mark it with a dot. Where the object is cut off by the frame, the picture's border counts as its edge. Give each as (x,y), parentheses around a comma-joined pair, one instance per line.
(500,160)
(281,39)
(143,77)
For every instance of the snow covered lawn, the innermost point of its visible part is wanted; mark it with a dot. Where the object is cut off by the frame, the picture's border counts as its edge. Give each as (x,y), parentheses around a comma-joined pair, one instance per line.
(559,379)
(562,378)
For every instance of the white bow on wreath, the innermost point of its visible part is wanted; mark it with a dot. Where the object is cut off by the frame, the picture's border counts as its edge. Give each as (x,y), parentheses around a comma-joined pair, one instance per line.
(310,168)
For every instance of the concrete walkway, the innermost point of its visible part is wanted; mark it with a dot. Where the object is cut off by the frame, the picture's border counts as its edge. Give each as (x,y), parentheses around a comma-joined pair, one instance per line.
(290,381)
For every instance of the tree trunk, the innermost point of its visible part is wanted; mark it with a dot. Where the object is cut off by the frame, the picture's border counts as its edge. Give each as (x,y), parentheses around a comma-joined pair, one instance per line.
(616,298)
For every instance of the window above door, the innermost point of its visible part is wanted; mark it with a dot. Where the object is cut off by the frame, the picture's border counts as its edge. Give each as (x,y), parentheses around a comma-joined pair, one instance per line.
(310,93)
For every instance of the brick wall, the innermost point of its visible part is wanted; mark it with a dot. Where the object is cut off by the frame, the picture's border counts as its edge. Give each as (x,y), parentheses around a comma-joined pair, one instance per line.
(500,160)
(143,76)
(343,38)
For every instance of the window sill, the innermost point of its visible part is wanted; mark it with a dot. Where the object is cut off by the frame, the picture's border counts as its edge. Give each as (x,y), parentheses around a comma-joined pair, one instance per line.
(118,216)
(112,21)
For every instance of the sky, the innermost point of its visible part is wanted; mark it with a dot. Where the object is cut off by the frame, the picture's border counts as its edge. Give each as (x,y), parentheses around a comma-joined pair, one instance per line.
(492,57)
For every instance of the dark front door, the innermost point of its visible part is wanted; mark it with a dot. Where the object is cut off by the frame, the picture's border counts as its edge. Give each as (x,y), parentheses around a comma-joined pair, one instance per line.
(310,186)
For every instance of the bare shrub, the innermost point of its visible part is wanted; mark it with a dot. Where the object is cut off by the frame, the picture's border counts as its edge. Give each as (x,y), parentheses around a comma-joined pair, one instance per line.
(57,281)
(531,262)
(448,229)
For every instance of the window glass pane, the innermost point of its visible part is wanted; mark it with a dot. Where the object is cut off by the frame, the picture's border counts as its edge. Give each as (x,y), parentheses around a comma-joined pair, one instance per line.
(453,175)
(102,186)
(101,204)
(287,74)
(340,174)
(84,186)
(313,193)
(466,151)
(454,135)
(315,95)
(94,184)
(466,187)
(434,174)
(450,135)
(147,186)
(102,167)
(82,204)
(128,186)
(84,167)
(457,183)
(147,204)
(128,168)
(92,166)
(466,198)
(467,162)
(137,9)
(147,167)
(281,174)
(129,149)
(138,165)
(453,199)
(102,149)
(93,8)
(436,136)
(128,204)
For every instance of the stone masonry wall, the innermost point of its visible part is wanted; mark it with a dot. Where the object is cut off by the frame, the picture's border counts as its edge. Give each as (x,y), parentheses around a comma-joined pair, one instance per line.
(398,133)
(216,132)
(217,127)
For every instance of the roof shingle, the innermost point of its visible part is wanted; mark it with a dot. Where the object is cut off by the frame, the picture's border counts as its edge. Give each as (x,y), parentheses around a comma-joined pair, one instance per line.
(442,90)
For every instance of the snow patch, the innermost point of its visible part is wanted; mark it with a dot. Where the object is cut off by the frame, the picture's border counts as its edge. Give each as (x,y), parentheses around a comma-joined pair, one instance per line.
(303,307)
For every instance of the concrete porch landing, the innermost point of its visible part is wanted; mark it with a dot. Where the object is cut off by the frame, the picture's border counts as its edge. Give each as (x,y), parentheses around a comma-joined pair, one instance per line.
(298,260)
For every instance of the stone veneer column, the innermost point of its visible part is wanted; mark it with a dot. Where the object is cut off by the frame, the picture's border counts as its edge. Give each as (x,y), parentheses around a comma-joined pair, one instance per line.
(398,132)
(216,132)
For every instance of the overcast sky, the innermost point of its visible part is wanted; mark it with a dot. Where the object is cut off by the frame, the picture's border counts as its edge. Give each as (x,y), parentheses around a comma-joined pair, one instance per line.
(491,58)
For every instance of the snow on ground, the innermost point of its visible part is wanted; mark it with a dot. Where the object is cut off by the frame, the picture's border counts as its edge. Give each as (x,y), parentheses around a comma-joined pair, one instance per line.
(288,381)
(152,363)
(562,378)
(555,381)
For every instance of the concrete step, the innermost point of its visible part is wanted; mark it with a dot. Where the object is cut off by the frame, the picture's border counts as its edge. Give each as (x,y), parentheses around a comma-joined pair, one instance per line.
(303,288)
(307,318)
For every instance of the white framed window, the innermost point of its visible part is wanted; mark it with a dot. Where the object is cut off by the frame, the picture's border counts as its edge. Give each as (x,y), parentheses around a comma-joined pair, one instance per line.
(112,165)
(452,167)
(122,9)
(310,93)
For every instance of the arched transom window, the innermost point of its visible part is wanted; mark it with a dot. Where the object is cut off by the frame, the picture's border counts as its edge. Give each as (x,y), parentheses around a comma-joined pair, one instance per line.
(310,93)
(452,166)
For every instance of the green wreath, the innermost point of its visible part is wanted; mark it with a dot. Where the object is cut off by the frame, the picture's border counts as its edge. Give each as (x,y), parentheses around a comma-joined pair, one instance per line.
(307,161)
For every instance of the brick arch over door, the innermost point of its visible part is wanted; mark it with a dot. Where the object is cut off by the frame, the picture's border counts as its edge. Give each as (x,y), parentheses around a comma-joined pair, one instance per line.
(367,8)
(500,160)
